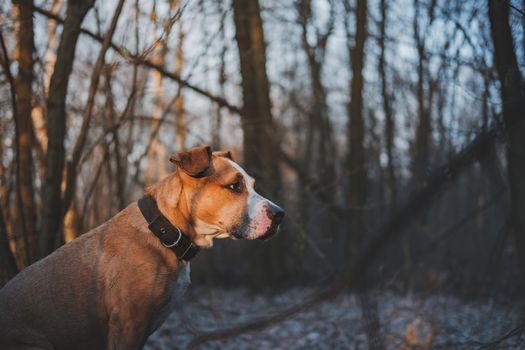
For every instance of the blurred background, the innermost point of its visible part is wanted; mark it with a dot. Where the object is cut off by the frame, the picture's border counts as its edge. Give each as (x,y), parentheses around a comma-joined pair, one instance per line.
(392,132)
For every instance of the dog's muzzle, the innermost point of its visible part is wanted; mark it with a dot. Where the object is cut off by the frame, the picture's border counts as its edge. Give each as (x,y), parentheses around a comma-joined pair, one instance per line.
(276,215)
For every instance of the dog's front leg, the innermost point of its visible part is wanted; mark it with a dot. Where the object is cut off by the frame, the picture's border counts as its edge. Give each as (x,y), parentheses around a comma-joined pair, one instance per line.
(127,330)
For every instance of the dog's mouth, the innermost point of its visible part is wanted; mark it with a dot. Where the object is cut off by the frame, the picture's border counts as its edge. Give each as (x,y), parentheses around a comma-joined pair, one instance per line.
(272,230)
(235,235)
(269,233)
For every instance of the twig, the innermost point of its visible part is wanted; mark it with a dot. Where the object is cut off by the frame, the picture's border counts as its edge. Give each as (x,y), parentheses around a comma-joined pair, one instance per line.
(72,165)
(515,8)
(137,59)
(512,333)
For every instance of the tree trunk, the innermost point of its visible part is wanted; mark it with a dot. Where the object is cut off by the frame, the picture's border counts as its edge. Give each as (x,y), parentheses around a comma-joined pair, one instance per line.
(523,27)
(157,156)
(76,154)
(8,268)
(52,217)
(259,139)
(387,107)
(180,116)
(217,120)
(319,159)
(120,170)
(356,128)
(513,98)
(22,12)
(260,143)
(49,53)
(423,130)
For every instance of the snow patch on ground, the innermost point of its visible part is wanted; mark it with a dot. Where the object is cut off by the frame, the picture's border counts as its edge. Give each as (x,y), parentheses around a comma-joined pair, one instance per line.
(406,321)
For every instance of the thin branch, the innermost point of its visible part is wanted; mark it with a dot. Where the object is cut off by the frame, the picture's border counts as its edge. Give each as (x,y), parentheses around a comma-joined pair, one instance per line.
(138,59)
(518,10)
(81,140)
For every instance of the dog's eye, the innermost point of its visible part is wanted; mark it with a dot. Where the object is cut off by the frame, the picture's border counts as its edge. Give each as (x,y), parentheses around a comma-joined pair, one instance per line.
(236,186)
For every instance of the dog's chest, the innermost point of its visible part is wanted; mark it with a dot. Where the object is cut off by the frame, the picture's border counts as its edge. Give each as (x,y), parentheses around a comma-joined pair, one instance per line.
(176,290)
(181,284)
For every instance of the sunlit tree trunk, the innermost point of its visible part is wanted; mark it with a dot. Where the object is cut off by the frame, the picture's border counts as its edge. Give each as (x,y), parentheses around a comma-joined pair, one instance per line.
(513,98)
(71,224)
(39,111)
(22,12)
(157,156)
(180,116)
(52,42)
(52,217)
(8,268)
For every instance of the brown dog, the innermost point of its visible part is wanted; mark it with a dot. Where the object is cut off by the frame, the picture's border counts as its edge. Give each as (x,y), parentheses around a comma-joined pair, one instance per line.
(113,286)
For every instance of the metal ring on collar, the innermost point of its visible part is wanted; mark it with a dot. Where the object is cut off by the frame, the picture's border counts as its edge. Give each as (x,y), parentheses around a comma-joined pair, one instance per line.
(174,243)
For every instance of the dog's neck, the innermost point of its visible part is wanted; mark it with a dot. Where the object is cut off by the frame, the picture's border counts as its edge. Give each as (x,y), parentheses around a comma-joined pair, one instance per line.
(173,206)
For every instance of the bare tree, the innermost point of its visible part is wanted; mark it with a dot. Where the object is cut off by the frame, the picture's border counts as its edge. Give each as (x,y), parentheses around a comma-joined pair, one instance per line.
(319,151)
(423,137)
(8,268)
(259,132)
(52,216)
(23,13)
(356,133)
(180,115)
(218,117)
(78,149)
(513,97)
(260,139)
(387,104)
(156,156)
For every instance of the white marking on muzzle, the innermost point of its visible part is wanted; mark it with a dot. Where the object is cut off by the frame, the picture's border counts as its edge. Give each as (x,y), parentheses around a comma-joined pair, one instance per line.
(255,200)
(254,206)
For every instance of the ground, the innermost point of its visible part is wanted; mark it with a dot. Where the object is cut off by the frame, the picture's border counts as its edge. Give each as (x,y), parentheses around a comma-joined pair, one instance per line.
(406,321)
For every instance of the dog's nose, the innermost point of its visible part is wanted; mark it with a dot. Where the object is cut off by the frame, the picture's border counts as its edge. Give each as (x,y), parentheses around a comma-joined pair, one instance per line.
(276,212)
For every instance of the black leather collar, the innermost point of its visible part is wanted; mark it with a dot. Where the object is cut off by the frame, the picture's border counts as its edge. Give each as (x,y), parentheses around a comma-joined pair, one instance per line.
(170,236)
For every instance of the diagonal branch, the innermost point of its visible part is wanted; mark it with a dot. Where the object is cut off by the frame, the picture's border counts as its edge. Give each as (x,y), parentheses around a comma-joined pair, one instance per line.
(417,203)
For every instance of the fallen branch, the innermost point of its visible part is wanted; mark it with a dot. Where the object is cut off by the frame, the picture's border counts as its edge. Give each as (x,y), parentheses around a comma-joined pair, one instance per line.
(268,321)
(417,203)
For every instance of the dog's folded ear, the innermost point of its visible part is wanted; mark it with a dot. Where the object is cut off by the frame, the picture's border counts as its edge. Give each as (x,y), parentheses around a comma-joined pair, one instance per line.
(194,162)
(225,154)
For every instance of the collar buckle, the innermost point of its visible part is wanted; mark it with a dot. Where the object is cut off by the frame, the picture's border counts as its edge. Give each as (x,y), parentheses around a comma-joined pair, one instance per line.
(176,241)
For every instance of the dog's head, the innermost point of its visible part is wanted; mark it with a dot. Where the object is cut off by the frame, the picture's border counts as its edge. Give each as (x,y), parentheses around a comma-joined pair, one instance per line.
(220,198)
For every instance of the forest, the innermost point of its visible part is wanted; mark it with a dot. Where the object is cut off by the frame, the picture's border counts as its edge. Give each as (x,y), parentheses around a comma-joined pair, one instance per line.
(391,131)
